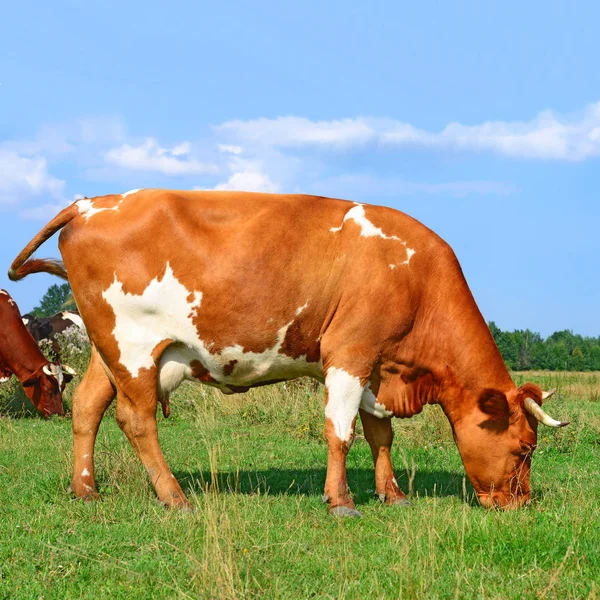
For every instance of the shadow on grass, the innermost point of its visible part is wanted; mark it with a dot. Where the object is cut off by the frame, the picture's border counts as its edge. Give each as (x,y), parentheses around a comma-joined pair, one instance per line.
(310,482)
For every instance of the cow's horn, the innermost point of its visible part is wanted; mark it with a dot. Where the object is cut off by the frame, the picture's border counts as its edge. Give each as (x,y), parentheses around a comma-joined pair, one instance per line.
(533,408)
(69,370)
(47,369)
(546,395)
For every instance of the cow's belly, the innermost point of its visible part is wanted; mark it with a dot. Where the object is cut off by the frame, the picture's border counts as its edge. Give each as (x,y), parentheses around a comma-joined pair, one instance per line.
(232,370)
(166,311)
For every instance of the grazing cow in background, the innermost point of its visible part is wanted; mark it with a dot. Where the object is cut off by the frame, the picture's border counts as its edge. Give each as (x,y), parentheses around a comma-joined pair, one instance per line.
(42,380)
(46,328)
(236,289)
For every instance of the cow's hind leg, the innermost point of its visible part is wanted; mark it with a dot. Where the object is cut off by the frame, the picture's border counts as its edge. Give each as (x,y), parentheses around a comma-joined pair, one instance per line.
(136,416)
(343,398)
(90,401)
(379,434)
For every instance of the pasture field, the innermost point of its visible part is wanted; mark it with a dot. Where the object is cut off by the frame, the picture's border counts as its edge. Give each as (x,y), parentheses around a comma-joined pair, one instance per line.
(254,467)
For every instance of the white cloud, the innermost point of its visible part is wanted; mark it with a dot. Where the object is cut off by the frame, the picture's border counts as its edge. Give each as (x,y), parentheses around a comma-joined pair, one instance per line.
(262,154)
(150,156)
(229,149)
(252,175)
(249,181)
(546,136)
(22,176)
(296,131)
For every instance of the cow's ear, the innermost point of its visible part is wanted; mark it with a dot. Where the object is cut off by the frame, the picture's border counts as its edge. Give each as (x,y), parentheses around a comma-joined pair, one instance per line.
(29,382)
(494,404)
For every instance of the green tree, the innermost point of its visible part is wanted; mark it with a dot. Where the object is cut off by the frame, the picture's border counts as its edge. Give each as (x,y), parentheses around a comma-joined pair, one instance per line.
(578,360)
(563,350)
(53,300)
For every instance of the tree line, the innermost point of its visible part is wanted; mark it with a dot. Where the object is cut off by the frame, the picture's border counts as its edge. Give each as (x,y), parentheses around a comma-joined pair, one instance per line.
(58,297)
(562,351)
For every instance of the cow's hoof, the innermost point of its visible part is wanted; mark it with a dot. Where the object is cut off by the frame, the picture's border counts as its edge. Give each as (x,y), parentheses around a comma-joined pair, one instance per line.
(401,502)
(395,502)
(179,505)
(87,496)
(344,511)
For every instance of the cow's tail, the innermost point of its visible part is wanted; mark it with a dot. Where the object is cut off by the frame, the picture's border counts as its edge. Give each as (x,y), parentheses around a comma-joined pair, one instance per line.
(23,265)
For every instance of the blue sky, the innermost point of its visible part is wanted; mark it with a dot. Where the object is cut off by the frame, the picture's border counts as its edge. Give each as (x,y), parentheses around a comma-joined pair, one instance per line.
(481,120)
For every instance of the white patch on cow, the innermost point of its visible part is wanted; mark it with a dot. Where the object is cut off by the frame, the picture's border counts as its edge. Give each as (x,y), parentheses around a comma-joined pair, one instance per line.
(392,267)
(344,394)
(369,404)
(165,311)
(73,317)
(85,456)
(367,229)
(86,206)
(4,379)
(409,254)
(142,322)
(300,309)
(85,473)
(25,321)
(10,300)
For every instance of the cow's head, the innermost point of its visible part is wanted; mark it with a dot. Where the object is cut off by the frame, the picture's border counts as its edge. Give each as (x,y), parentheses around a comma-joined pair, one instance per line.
(496,442)
(45,387)
(39,330)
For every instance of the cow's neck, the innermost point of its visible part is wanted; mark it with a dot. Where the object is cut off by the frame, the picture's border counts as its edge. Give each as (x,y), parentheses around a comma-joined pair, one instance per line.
(23,362)
(450,356)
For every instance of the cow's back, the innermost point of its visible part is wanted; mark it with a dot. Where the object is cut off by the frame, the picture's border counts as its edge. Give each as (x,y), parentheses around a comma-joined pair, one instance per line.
(263,274)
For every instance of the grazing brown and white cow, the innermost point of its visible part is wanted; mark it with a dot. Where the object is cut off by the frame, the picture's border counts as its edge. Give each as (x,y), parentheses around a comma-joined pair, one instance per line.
(237,289)
(46,328)
(42,380)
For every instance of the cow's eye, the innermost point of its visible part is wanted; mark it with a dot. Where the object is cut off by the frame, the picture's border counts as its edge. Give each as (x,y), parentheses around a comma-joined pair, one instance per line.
(527,449)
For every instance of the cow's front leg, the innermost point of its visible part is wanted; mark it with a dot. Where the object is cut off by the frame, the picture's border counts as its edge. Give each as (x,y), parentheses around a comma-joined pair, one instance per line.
(90,401)
(379,434)
(343,398)
(136,416)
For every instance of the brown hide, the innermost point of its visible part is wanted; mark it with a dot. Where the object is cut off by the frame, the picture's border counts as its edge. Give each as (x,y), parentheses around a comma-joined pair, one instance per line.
(366,290)
(19,354)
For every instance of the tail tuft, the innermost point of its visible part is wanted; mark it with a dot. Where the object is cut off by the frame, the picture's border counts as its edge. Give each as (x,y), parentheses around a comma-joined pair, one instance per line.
(38,265)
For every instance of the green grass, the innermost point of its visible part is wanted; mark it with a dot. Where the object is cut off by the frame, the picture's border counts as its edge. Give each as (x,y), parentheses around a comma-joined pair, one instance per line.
(254,467)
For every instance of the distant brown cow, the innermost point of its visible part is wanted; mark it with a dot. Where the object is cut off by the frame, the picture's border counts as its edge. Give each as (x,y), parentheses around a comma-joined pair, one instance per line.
(46,328)
(42,380)
(236,290)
